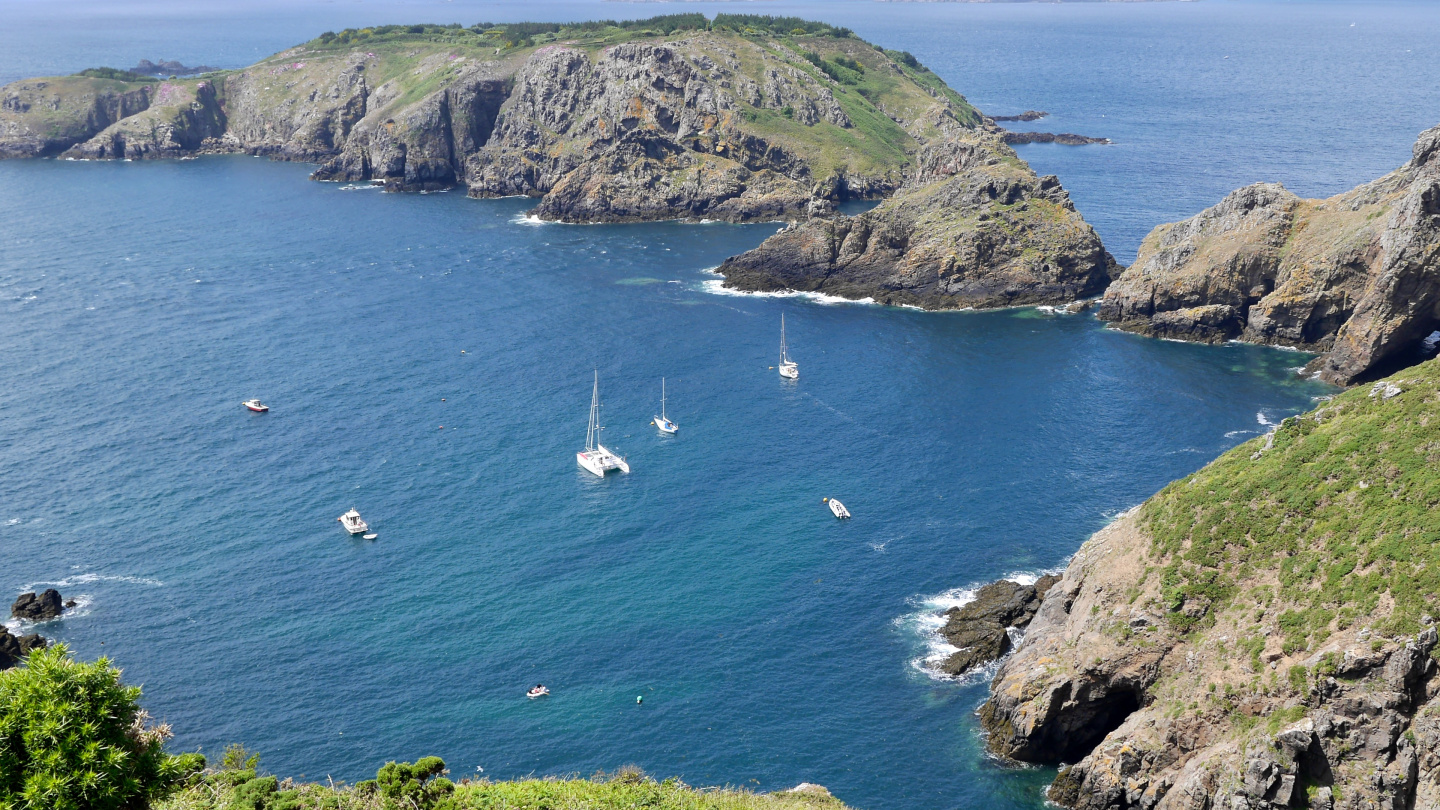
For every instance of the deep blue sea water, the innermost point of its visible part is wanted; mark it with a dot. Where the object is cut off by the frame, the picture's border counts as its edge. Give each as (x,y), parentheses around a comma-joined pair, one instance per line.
(428,360)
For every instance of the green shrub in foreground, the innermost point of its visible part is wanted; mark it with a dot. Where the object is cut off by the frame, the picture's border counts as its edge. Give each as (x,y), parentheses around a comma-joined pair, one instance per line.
(73,737)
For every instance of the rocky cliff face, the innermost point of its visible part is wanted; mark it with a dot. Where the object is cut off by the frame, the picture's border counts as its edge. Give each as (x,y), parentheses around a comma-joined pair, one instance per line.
(43,117)
(630,127)
(1356,276)
(1259,635)
(971,227)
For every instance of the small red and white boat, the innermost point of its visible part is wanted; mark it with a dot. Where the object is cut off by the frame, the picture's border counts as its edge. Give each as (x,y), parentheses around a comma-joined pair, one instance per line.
(256,405)
(540,690)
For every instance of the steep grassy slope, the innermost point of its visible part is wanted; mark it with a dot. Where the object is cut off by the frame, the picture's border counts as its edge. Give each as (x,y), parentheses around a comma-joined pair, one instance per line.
(1259,633)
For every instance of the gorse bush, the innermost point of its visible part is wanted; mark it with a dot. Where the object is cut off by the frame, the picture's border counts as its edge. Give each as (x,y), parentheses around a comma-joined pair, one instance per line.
(403,786)
(73,737)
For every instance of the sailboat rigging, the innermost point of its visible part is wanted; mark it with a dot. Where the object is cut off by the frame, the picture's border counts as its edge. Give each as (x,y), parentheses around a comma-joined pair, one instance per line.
(596,457)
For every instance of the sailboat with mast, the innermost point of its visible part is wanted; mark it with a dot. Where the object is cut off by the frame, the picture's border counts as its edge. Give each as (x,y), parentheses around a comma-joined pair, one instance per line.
(662,421)
(596,457)
(789,369)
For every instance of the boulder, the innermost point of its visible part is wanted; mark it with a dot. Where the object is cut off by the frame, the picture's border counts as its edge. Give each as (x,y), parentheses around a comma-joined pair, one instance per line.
(981,628)
(47,605)
(12,649)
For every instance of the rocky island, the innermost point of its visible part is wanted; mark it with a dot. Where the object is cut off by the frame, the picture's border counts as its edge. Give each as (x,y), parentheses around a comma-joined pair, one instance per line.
(739,118)
(1354,276)
(1259,634)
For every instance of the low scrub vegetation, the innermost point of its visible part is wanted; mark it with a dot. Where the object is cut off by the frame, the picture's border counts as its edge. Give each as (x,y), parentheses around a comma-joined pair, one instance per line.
(1338,506)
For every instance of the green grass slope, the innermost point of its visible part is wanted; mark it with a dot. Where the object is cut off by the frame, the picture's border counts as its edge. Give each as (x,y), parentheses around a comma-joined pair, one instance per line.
(1333,519)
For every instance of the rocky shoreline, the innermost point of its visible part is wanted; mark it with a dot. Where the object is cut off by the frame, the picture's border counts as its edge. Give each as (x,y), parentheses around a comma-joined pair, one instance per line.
(1062,138)
(30,607)
(980,629)
(1173,675)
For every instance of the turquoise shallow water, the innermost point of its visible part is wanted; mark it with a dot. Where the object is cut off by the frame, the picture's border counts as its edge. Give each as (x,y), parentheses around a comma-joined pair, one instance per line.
(143,302)
(139,303)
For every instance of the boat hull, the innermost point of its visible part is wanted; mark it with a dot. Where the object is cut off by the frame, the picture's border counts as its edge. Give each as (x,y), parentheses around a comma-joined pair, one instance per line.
(839,509)
(665,425)
(600,461)
(790,371)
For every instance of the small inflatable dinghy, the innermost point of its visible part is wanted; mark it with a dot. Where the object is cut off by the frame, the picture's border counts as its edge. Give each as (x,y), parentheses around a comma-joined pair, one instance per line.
(538,691)
(838,508)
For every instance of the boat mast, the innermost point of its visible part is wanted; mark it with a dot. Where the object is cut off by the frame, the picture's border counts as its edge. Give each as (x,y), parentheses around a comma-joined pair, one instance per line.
(662,400)
(784,352)
(592,432)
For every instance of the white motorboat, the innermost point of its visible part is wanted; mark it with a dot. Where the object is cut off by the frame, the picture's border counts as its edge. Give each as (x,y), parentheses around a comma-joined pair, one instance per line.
(838,508)
(789,369)
(596,457)
(256,405)
(540,690)
(662,421)
(353,523)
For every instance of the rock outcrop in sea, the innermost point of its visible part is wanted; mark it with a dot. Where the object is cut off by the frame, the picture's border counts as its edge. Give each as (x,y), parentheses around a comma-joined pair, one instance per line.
(1261,634)
(980,628)
(1356,276)
(39,607)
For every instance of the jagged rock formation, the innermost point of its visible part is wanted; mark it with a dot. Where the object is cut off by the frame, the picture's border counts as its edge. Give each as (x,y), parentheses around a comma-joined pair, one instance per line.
(1258,635)
(38,607)
(980,629)
(972,227)
(1356,276)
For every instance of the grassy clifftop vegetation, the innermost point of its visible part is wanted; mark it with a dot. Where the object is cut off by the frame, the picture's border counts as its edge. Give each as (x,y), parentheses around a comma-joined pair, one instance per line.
(1328,522)
(73,737)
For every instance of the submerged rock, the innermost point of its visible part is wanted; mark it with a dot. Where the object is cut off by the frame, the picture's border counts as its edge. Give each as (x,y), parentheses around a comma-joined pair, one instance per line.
(47,605)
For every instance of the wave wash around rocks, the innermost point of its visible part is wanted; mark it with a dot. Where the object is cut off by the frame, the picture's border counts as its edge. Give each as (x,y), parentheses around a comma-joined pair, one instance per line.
(1257,635)
(741,118)
(1356,276)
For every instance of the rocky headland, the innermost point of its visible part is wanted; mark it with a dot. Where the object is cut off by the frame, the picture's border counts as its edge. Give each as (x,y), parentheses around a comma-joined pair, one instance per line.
(972,227)
(676,117)
(1260,634)
(1356,276)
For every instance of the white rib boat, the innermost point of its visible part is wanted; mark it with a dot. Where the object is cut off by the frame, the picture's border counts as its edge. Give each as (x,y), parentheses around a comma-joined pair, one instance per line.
(596,457)
(838,508)
(662,421)
(789,369)
(353,523)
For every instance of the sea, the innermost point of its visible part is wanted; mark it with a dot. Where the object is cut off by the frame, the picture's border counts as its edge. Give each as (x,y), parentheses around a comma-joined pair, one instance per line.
(429,360)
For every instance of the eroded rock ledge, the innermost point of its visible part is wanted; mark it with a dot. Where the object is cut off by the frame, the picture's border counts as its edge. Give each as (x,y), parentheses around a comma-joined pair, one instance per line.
(1356,276)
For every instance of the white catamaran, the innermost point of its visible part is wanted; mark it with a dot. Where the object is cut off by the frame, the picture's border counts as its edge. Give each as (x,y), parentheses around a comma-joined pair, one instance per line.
(662,421)
(596,457)
(789,369)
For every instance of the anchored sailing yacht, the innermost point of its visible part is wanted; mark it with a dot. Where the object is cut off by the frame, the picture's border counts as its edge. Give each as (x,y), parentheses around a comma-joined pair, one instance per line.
(662,422)
(789,369)
(596,457)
